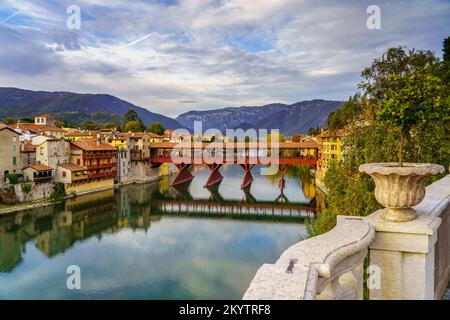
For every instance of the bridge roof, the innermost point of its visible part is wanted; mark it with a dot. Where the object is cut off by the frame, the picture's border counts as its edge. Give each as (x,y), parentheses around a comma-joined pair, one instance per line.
(248,145)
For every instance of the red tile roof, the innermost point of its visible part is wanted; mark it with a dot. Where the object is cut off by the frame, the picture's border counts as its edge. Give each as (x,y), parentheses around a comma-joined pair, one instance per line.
(72,167)
(92,144)
(80,133)
(37,128)
(41,167)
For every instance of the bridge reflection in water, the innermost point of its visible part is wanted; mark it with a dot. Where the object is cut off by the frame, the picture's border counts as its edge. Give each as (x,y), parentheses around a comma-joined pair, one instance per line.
(217,205)
(55,229)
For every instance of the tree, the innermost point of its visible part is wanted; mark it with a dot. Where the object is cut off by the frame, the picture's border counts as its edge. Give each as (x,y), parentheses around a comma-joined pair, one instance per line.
(314,131)
(133,126)
(132,122)
(9,121)
(416,91)
(411,100)
(339,118)
(62,123)
(399,61)
(90,125)
(446,50)
(157,128)
(131,115)
(110,125)
(26,120)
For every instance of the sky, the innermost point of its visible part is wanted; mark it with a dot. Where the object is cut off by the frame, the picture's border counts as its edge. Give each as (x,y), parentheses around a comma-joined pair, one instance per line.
(172,56)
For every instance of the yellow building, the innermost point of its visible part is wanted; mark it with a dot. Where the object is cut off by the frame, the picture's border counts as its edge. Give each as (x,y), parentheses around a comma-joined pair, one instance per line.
(118,141)
(331,150)
(78,135)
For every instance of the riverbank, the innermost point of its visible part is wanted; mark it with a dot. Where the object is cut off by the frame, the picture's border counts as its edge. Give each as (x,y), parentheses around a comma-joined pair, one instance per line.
(6,209)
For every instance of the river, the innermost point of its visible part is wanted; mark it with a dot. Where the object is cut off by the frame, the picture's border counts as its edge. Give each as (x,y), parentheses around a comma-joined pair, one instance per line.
(152,241)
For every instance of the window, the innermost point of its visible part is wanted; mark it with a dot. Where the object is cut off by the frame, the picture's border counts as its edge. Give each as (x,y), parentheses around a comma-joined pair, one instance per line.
(14,161)
(14,148)
(41,151)
(64,174)
(78,161)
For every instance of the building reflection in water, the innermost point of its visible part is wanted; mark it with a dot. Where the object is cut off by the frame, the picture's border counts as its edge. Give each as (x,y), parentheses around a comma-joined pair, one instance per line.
(55,229)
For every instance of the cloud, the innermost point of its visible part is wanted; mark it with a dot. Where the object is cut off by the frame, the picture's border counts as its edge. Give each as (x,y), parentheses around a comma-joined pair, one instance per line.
(165,55)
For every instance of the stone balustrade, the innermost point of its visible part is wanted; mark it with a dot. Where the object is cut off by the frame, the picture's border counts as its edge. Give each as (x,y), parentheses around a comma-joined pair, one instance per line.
(329,266)
(412,258)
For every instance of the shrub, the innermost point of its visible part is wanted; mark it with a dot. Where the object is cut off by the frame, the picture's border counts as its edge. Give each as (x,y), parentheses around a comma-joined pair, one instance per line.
(59,192)
(26,187)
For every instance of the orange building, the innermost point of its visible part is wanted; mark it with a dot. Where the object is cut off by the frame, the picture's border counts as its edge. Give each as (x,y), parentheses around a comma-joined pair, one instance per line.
(99,158)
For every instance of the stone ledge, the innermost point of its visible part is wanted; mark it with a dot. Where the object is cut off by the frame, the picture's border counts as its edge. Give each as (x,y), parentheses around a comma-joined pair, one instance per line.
(437,198)
(315,257)
(424,224)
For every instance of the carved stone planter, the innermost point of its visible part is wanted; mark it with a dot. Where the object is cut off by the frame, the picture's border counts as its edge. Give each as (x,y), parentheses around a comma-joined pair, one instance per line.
(400,188)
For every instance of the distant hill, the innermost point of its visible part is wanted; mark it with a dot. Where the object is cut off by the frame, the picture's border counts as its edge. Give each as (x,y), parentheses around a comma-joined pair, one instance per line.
(289,119)
(74,107)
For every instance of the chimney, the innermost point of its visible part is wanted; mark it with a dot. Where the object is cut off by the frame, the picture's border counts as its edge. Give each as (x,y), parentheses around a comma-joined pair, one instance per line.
(98,139)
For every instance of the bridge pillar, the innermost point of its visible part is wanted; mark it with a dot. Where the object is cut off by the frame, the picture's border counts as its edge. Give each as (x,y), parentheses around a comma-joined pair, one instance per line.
(215,177)
(282,183)
(248,178)
(183,174)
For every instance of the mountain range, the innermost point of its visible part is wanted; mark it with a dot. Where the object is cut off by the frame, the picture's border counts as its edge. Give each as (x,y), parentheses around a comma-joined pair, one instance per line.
(102,108)
(73,107)
(288,119)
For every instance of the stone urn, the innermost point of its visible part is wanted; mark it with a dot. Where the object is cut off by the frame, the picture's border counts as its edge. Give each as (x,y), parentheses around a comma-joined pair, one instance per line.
(400,188)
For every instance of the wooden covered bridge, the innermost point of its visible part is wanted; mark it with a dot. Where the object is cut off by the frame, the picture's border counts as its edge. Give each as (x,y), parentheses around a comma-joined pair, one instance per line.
(246,155)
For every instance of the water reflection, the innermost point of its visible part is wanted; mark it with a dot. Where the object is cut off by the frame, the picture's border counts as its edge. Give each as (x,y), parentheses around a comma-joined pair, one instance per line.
(129,248)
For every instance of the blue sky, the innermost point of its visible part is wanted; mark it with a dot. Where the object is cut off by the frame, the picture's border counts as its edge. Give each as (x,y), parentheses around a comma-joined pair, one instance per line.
(179,55)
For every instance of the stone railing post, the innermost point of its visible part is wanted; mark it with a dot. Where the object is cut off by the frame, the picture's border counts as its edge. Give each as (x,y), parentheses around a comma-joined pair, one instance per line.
(404,253)
(413,256)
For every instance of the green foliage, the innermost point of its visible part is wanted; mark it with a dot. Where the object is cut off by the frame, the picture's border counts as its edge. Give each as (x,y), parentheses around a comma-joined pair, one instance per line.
(131,115)
(14,177)
(90,125)
(418,98)
(26,120)
(110,125)
(446,50)
(157,128)
(339,118)
(59,192)
(313,131)
(404,91)
(9,121)
(132,122)
(398,61)
(26,188)
(133,126)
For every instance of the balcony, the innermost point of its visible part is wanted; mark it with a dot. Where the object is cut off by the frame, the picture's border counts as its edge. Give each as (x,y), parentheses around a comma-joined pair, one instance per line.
(43,179)
(106,155)
(102,175)
(101,166)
